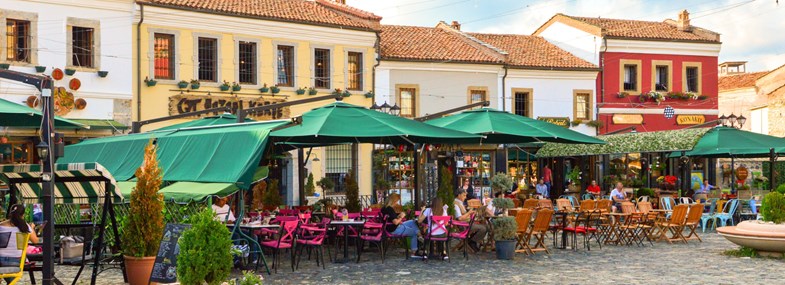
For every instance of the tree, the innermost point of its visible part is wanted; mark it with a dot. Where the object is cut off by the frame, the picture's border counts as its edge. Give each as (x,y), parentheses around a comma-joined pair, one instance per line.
(352,193)
(258,194)
(445,191)
(144,226)
(271,196)
(310,188)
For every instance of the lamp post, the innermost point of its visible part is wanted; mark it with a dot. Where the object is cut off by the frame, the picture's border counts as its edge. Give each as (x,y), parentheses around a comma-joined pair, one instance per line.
(44,149)
(732,121)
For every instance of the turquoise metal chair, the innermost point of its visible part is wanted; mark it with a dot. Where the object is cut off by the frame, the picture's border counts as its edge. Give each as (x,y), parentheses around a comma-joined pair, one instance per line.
(573,201)
(587,196)
(667,203)
(709,216)
(727,213)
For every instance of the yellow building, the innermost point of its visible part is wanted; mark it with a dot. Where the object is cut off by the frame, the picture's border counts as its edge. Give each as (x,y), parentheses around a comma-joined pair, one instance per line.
(240,52)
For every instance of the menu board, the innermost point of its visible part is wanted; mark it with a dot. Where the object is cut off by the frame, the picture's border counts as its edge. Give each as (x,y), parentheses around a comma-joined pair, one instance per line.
(165,268)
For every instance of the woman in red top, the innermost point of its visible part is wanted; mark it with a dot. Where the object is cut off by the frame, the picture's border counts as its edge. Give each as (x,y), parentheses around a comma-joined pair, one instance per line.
(593,189)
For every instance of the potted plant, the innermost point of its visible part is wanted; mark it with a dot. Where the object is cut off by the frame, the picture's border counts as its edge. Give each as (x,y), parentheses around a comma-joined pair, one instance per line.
(337,91)
(182,84)
(703,97)
(5,65)
(641,99)
(504,229)
(300,91)
(264,88)
(310,186)
(236,87)
(501,182)
(40,69)
(195,84)
(225,86)
(326,184)
(144,226)
(70,71)
(656,96)
(352,193)
(103,73)
(575,177)
(150,82)
(275,89)
(622,94)
(369,94)
(346,93)
(766,236)
(576,122)
(205,255)
(312,91)
(595,124)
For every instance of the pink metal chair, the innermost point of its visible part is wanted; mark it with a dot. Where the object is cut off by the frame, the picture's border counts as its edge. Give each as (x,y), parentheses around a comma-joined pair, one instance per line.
(371,216)
(463,233)
(268,232)
(305,217)
(373,233)
(389,236)
(436,223)
(286,239)
(312,239)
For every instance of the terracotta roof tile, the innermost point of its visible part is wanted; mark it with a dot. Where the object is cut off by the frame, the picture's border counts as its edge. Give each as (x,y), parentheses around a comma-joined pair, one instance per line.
(736,81)
(635,29)
(533,51)
(431,44)
(324,12)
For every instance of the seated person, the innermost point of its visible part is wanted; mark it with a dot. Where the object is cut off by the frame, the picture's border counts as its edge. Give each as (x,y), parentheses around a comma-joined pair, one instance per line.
(618,195)
(477,232)
(223,212)
(702,194)
(542,189)
(491,209)
(437,209)
(396,224)
(15,223)
(593,189)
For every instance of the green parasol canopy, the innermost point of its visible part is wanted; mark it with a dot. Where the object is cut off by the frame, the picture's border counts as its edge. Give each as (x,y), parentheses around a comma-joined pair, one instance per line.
(501,127)
(222,119)
(17,115)
(731,142)
(340,122)
(184,192)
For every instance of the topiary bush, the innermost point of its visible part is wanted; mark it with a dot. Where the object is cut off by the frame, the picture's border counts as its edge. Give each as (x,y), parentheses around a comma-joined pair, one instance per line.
(773,208)
(205,251)
(501,182)
(352,193)
(504,228)
(310,187)
(144,226)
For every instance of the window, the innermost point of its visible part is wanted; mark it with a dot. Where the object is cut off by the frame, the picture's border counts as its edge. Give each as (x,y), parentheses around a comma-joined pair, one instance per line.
(355,70)
(82,46)
(338,161)
(582,105)
(692,79)
(18,40)
(208,59)
(16,153)
(477,94)
(246,73)
(661,76)
(164,49)
(522,103)
(321,63)
(286,66)
(630,77)
(406,99)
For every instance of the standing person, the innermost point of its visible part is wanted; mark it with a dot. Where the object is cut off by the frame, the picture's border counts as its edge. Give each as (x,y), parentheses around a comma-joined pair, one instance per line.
(703,193)
(467,186)
(547,177)
(618,195)
(477,232)
(594,189)
(15,223)
(398,226)
(542,189)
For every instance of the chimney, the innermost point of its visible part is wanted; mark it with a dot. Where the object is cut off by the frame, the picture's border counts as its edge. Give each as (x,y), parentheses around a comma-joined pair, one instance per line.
(455,25)
(684,21)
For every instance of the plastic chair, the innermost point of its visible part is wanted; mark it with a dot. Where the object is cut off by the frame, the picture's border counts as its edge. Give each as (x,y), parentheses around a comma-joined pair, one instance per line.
(462,234)
(667,203)
(285,240)
(754,209)
(16,272)
(573,201)
(709,216)
(727,213)
(436,223)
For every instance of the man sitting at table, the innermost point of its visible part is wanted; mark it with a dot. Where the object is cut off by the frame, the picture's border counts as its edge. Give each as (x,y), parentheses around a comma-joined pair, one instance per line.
(477,232)
(542,189)
(702,194)
(618,195)
(223,212)
(594,189)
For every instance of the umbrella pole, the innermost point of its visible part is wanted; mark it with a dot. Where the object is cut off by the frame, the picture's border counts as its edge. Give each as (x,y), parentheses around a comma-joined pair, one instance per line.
(416,188)
(732,175)
(772,161)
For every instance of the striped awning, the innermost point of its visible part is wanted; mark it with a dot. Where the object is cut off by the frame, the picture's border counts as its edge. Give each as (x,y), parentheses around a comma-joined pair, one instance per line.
(75,183)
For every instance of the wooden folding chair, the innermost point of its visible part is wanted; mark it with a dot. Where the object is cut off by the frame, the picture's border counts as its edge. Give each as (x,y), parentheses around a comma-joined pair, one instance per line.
(676,224)
(474,203)
(530,204)
(540,230)
(693,221)
(627,207)
(523,218)
(563,204)
(587,205)
(644,206)
(545,204)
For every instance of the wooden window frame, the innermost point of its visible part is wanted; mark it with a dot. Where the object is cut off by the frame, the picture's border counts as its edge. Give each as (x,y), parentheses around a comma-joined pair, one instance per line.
(359,77)
(26,38)
(589,105)
(33,36)
(654,64)
(330,66)
(293,68)
(96,38)
(172,58)
(255,71)
(638,76)
(415,99)
(216,54)
(684,67)
(476,88)
(529,102)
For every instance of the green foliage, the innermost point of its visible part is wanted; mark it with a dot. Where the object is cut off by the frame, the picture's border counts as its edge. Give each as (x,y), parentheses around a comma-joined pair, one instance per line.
(407,208)
(781,189)
(271,196)
(144,226)
(503,203)
(310,188)
(205,251)
(645,192)
(326,184)
(501,182)
(445,191)
(742,252)
(504,228)
(250,278)
(352,193)
(772,208)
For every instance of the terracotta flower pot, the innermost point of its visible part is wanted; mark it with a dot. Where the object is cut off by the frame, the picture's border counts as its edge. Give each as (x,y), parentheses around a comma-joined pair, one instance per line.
(138,269)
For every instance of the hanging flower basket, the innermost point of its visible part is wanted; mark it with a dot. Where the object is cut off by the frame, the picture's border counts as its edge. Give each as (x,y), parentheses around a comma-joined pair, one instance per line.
(236,87)
(40,69)
(103,73)
(69,71)
(369,95)
(150,82)
(312,91)
(225,86)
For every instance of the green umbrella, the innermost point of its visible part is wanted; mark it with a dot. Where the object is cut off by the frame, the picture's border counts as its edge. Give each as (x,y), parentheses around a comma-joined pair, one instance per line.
(340,122)
(17,115)
(727,142)
(222,119)
(501,127)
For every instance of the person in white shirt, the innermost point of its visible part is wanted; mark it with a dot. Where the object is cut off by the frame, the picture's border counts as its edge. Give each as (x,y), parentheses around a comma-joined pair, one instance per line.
(223,212)
(618,195)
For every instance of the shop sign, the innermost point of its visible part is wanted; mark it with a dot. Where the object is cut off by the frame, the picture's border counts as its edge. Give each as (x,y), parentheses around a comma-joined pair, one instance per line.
(179,104)
(690,119)
(627,119)
(742,173)
(559,121)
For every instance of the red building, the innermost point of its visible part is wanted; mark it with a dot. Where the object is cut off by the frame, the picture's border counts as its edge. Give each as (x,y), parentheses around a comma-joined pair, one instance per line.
(648,69)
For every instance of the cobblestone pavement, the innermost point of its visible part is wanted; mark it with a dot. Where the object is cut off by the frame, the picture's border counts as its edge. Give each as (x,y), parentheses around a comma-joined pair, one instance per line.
(693,263)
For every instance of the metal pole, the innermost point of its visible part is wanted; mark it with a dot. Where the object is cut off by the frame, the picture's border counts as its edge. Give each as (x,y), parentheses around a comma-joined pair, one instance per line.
(47,130)
(301,176)
(732,175)
(772,161)
(416,176)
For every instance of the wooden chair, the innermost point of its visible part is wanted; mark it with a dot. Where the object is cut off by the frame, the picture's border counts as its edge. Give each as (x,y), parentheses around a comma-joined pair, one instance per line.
(16,272)
(588,205)
(644,207)
(474,203)
(523,218)
(676,223)
(530,204)
(693,221)
(545,204)
(563,204)
(627,207)
(517,203)
(604,205)
(540,230)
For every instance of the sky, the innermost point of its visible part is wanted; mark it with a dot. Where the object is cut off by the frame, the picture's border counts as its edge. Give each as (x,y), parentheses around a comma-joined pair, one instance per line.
(751,30)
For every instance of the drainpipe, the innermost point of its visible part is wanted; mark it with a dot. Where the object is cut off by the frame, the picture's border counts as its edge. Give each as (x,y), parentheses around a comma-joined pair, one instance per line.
(377,46)
(139,63)
(504,89)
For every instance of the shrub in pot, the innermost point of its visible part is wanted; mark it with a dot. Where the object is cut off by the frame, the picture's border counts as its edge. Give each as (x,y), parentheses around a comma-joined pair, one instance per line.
(310,187)
(225,86)
(144,225)
(205,251)
(504,229)
(272,198)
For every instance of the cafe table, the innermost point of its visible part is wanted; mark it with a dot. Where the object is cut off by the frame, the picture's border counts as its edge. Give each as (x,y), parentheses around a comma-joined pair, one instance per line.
(345,225)
(614,235)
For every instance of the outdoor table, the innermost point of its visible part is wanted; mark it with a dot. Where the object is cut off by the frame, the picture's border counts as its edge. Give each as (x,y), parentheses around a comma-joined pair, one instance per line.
(345,225)
(613,235)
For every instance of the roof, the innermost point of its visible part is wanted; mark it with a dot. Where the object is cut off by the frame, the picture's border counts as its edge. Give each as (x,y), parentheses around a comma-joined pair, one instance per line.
(320,12)
(533,51)
(661,141)
(736,81)
(633,29)
(431,44)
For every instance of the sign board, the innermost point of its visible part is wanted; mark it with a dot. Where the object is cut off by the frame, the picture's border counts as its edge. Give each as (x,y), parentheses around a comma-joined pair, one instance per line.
(559,121)
(627,119)
(183,103)
(165,267)
(690,119)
